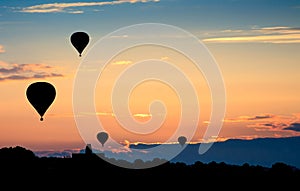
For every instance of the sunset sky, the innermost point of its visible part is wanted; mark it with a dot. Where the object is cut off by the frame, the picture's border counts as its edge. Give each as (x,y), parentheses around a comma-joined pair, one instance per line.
(256,44)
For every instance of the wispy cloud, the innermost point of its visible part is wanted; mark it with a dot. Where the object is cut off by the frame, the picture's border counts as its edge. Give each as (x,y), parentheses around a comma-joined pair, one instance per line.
(165,58)
(122,62)
(106,114)
(126,143)
(142,115)
(249,118)
(138,115)
(286,38)
(2,50)
(119,36)
(270,123)
(76,12)
(276,123)
(268,126)
(68,7)
(26,71)
(293,127)
(275,34)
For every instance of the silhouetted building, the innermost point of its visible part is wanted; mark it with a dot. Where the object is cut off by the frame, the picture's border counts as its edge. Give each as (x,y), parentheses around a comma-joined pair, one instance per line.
(88,153)
(88,149)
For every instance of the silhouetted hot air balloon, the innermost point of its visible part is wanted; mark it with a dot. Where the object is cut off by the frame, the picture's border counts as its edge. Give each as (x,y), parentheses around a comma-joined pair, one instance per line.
(102,137)
(41,95)
(80,40)
(181,140)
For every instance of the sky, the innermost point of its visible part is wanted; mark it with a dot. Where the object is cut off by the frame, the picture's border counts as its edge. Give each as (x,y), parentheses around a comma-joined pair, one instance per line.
(255,44)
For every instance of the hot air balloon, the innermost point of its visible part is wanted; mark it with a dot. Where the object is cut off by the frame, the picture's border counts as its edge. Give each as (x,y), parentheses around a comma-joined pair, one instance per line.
(102,137)
(181,140)
(41,95)
(80,40)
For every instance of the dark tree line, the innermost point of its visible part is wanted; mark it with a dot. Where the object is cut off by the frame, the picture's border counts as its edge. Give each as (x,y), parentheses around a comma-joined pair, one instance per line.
(20,164)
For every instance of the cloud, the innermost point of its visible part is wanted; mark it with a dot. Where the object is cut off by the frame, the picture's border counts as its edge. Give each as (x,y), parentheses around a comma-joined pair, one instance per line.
(2,50)
(105,114)
(122,62)
(271,123)
(232,31)
(277,123)
(36,76)
(65,7)
(265,116)
(249,118)
(165,58)
(126,143)
(275,34)
(76,12)
(119,36)
(142,115)
(287,38)
(268,126)
(26,71)
(293,127)
(278,30)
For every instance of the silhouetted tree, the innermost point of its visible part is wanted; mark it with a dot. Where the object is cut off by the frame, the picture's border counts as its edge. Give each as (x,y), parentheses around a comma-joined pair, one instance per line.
(16,153)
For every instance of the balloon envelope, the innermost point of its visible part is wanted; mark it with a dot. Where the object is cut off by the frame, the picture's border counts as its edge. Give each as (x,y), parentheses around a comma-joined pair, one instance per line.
(102,137)
(41,95)
(80,40)
(181,140)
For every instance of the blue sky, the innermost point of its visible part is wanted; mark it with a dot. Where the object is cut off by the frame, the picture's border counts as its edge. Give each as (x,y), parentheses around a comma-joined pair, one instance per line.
(189,14)
(197,17)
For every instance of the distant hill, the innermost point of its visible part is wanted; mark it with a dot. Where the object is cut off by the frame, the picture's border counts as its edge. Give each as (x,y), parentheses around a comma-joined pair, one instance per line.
(260,151)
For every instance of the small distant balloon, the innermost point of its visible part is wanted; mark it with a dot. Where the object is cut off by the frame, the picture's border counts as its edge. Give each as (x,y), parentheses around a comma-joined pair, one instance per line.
(41,95)
(102,137)
(80,40)
(182,140)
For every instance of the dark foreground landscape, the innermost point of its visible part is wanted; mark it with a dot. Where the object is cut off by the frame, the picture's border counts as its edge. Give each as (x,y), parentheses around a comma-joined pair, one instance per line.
(20,166)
